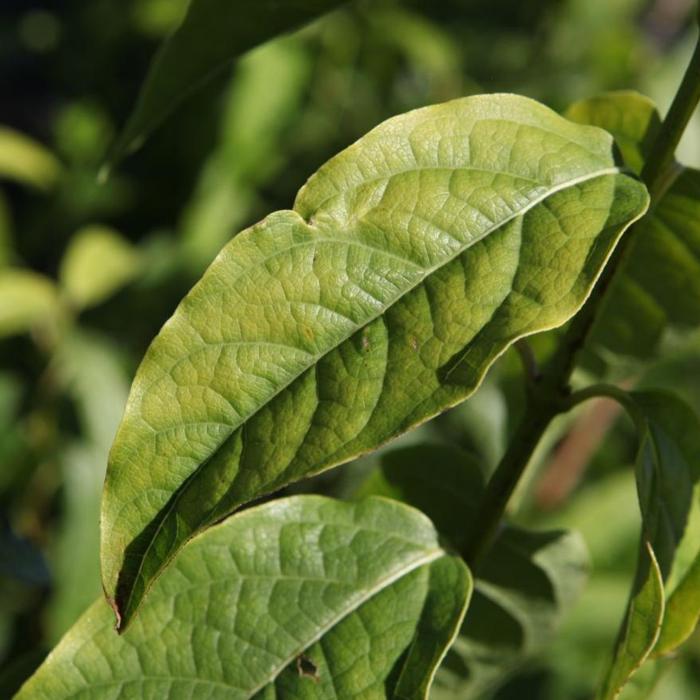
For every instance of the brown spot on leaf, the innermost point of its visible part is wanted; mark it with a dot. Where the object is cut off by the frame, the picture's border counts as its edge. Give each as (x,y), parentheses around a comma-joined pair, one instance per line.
(306,668)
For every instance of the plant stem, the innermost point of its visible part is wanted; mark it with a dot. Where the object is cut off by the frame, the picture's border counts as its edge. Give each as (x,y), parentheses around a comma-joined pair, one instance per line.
(549,395)
(660,162)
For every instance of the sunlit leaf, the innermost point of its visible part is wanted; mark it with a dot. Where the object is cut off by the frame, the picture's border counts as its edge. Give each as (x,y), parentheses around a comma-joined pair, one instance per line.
(302,597)
(97,263)
(411,262)
(212,34)
(26,161)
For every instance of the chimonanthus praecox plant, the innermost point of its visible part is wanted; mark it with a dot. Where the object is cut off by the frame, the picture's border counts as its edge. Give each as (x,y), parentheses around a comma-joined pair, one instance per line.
(408,264)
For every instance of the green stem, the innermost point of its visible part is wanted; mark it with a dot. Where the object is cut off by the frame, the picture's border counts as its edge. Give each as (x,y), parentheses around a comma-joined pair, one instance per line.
(660,163)
(609,391)
(549,395)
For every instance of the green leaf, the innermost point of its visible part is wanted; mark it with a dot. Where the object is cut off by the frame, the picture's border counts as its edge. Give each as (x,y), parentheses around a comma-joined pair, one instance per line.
(212,34)
(301,597)
(27,300)
(411,262)
(250,150)
(664,606)
(525,585)
(447,493)
(25,161)
(631,118)
(659,282)
(640,629)
(97,263)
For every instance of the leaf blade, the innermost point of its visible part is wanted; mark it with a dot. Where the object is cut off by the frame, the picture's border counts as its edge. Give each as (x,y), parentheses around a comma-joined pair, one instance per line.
(668,486)
(299,576)
(212,34)
(319,334)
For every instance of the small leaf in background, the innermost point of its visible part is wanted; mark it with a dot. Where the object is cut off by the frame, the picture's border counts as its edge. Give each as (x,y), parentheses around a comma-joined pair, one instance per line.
(26,161)
(412,260)
(20,559)
(91,372)
(631,118)
(303,596)
(250,149)
(664,607)
(524,587)
(27,300)
(97,263)
(660,281)
(212,34)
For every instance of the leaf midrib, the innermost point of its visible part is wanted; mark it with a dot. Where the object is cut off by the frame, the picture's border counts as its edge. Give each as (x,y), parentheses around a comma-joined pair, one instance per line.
(426,272)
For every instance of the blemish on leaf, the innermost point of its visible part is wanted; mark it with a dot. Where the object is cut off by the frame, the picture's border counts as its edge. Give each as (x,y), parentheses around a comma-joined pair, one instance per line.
(413,342)
(365,340)
(306,668)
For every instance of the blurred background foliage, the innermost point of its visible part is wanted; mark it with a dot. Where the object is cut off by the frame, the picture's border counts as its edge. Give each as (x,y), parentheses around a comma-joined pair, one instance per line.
(90,270)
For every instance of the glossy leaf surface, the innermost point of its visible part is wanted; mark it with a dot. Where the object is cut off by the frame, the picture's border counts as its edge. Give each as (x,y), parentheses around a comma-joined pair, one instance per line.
(411,262)
(212,34)
(303,597)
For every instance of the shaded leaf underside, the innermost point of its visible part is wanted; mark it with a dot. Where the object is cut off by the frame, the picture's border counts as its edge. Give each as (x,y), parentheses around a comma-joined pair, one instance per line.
(411,261)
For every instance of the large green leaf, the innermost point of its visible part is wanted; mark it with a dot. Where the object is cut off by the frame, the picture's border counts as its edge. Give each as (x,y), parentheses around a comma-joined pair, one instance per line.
(524,587)
(304,597)
(212,34)
(664,605)
(411,262)
(659,281)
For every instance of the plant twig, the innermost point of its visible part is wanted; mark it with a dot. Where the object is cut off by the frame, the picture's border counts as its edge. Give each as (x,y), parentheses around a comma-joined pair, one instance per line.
(551,393)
